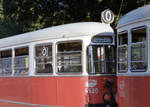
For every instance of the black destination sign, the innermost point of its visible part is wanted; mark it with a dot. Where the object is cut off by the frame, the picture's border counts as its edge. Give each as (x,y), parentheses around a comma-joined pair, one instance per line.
(99,39)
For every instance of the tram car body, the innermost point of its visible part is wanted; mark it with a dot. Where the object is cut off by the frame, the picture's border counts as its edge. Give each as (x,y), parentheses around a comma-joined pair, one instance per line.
(133,65)
(71,65)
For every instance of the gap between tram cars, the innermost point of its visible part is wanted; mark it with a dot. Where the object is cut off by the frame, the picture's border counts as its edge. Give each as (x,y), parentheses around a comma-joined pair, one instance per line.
(71,65)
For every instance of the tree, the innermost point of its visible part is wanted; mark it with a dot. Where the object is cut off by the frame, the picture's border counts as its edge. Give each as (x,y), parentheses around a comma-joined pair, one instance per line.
(29,15)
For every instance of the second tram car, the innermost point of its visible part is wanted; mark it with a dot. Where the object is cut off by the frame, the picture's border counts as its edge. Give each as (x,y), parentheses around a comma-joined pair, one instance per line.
(133,61)
(70,65)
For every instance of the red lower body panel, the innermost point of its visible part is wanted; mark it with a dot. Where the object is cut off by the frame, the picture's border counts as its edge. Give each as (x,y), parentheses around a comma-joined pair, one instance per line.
(52,91)
(133,91)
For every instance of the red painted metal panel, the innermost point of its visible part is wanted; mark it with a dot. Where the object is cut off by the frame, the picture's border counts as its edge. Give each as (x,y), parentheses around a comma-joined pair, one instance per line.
(71,91)
(52,91)
(133,91)
(13,105)
(97,92)
(15,89)
(44,90)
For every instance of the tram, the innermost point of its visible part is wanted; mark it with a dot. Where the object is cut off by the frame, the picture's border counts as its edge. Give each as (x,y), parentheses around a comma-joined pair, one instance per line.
(71,65)
(133,58)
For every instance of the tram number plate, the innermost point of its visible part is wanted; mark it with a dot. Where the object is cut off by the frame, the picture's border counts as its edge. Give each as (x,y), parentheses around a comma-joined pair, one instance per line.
(93,90)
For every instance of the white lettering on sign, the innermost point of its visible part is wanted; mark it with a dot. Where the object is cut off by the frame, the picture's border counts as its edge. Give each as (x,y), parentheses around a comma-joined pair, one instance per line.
(90,87)
(93,90)
(122,87)
(108,16)
(102,40)
(45,51)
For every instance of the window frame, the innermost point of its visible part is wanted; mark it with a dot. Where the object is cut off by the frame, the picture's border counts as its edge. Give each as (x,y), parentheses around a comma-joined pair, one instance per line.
(146,44)
(69,41)
(26,46)
(52,62)
(118,46)
(90,65)
(3,74)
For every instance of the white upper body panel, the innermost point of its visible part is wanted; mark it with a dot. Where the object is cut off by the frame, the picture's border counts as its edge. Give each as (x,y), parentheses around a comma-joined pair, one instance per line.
(57,32)
(137,15)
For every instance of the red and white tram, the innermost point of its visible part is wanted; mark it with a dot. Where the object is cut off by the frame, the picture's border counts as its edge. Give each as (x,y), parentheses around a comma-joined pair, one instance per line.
(70,65)
(133,65)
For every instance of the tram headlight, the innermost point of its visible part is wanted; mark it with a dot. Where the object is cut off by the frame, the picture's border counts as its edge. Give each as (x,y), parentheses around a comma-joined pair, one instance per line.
(107,97)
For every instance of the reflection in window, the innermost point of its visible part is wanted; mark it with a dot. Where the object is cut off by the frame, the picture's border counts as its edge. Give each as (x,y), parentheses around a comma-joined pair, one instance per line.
(69,56)
(6,62)
(21,60)
(44,58)
(122,52)
(123,39)
(101,59)
(138,50)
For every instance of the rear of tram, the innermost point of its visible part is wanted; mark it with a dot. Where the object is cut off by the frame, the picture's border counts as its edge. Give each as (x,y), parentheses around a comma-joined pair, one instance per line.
(101,69)
(133,74)
(101,56)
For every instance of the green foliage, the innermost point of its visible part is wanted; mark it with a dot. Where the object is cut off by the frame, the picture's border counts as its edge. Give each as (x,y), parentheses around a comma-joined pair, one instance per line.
(9,28)
(19,16)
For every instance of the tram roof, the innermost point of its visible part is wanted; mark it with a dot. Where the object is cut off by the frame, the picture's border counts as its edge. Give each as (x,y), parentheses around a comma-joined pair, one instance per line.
(61,31)
(137,15)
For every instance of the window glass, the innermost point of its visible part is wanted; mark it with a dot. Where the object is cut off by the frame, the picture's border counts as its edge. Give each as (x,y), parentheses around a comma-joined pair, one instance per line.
(21,60)
(69,56)
(44,58)
(139,35)
(123,39)
(110,56)
(101,59)
(122,52)
(6,62)
(138,50)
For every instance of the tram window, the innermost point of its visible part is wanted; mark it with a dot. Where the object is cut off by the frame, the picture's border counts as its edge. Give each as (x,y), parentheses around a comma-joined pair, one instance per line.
(123,39)
(21,60)
(138,50)
(5,62)
(69,56)
(110,59)
(44,58)
(101,59)
(122,52)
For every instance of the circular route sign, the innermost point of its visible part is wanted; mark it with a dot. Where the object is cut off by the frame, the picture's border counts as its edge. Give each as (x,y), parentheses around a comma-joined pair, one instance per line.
(44,51)
(107,16)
